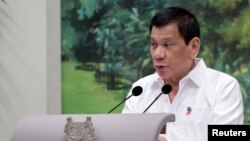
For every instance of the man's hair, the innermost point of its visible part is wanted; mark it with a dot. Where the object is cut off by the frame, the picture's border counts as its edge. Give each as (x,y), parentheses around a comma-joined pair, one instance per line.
(187,23)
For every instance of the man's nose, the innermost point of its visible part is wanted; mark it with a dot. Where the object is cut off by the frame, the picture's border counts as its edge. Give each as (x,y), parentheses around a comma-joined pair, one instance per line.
(159,53)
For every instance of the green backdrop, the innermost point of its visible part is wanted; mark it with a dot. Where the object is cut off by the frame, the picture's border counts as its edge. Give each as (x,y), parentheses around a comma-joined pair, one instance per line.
(105,47)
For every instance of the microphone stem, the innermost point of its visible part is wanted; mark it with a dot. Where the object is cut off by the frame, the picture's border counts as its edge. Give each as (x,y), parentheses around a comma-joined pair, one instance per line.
(119,104)
(152,102)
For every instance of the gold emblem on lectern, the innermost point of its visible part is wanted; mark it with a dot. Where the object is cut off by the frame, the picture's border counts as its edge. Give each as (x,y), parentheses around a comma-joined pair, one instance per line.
(79,131)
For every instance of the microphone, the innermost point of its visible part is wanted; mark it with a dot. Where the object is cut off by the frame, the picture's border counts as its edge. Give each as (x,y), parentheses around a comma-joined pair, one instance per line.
(164,90)
(135,92)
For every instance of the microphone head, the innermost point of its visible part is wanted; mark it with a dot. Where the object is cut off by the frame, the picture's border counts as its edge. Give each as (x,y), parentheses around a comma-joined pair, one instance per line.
(166,89)
(137,91)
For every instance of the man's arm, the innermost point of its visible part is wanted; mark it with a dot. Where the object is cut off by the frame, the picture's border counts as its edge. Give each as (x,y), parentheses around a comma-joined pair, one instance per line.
(228,108)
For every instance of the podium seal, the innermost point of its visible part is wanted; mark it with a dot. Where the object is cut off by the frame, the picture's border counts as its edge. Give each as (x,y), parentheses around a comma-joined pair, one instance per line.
(79,131)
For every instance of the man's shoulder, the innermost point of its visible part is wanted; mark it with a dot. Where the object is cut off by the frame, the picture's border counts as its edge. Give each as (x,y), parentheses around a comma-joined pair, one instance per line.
(148,78)
(214,74)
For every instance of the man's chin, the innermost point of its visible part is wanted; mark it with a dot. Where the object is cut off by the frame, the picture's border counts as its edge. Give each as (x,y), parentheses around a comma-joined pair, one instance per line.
(162,74)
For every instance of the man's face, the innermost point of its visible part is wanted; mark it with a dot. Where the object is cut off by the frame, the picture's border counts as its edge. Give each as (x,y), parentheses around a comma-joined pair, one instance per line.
(171,56)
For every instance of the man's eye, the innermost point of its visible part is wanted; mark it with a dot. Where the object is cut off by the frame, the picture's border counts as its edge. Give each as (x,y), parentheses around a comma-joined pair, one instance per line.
(167,45)
(153,45)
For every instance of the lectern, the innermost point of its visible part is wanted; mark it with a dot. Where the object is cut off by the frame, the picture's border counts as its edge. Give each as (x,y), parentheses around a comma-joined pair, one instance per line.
(107,127)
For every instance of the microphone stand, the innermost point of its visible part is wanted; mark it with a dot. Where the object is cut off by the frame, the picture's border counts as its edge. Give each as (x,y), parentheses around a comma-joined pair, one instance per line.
(119,104)
(152,102)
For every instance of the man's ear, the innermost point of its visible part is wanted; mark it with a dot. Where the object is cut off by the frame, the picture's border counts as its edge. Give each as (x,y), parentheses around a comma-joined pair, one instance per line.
(195,47)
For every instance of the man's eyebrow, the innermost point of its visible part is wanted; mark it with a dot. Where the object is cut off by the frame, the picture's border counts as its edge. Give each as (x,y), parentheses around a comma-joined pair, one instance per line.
(163,39)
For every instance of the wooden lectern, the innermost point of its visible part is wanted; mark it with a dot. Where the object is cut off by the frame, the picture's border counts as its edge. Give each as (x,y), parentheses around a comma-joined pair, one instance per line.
(107,127)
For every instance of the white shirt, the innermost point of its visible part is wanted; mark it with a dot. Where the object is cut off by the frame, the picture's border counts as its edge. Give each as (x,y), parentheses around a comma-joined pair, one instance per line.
(205,96)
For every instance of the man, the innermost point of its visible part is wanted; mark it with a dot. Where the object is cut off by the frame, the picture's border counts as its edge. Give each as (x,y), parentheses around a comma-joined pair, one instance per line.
(200,95)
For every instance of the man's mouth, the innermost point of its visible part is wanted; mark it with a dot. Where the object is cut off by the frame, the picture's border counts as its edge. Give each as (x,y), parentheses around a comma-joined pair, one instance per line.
(160,66)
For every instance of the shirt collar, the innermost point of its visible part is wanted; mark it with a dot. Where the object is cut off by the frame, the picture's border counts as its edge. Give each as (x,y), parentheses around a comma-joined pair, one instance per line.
(196,75)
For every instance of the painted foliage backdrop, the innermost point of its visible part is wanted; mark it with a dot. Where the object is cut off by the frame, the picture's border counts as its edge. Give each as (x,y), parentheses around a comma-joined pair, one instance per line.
(105,47)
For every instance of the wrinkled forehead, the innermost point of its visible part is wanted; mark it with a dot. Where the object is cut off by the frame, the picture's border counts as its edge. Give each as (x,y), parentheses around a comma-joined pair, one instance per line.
(167,32)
